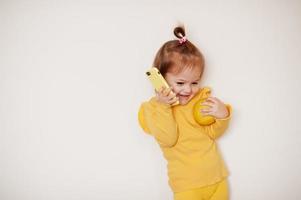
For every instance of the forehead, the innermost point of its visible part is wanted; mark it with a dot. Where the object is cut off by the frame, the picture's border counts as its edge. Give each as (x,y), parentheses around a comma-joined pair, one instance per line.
(191,73)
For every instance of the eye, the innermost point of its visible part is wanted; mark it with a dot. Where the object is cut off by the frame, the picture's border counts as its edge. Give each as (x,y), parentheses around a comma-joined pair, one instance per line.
(195,83)
(180,83)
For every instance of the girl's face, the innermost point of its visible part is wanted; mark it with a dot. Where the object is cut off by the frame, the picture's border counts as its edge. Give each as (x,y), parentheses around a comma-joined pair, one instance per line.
(185,83)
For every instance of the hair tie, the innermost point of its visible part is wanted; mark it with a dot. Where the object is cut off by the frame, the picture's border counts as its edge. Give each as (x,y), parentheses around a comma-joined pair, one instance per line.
(182,40)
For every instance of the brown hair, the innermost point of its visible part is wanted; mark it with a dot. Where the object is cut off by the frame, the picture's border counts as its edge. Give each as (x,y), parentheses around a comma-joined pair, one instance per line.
(175,56)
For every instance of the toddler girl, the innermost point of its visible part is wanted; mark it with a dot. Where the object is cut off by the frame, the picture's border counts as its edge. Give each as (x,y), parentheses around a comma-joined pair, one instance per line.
(196,169)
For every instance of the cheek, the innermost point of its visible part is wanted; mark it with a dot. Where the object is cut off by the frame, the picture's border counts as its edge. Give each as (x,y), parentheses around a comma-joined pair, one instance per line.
(175,88)
(195,90)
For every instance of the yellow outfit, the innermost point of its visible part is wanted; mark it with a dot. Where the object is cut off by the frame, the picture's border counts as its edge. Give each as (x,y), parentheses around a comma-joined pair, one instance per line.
(193,158)
(218,191)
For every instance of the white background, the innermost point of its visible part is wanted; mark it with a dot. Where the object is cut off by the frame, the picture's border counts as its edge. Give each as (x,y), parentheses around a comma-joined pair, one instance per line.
(72,79)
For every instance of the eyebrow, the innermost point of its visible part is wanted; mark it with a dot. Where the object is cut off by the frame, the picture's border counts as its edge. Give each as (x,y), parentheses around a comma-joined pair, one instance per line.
(185,80)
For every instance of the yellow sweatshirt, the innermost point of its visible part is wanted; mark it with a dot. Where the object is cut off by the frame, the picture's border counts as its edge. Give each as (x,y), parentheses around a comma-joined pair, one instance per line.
(193,158)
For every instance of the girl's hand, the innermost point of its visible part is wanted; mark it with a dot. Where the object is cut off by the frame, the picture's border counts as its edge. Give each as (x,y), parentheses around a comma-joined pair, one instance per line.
(166,96)
(216,108)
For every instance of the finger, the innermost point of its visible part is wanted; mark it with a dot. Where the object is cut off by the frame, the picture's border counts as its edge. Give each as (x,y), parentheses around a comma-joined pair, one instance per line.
(164,88)
(171,95)
(216,100)
(207,103)
(160,90)
(166,91)
(171,88)
(206,110)
(211,99)
(173,100)
(208,114)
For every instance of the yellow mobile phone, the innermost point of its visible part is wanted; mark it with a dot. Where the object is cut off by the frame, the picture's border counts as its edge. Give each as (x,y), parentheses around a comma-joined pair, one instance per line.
(158,80)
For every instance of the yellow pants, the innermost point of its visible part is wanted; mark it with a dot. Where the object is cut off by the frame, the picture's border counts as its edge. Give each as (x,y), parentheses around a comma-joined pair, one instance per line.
(218,191)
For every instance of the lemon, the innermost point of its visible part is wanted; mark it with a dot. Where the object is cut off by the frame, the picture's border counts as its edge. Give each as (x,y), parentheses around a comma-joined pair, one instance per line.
(201,119)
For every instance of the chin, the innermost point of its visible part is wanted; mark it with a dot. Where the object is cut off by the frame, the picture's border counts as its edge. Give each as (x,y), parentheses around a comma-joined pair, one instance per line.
(184,101)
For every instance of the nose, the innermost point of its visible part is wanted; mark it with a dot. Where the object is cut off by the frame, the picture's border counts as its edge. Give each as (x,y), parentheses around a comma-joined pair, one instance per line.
(187,89)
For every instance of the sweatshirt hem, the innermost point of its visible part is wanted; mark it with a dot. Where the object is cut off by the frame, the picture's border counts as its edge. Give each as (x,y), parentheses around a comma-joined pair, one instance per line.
(183,189)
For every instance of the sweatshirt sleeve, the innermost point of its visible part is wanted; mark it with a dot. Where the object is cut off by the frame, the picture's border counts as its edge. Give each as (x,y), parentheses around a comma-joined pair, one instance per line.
(219,127)
(157,119)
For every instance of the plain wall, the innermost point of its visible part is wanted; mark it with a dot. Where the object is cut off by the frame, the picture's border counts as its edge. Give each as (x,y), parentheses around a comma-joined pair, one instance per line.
(72,79)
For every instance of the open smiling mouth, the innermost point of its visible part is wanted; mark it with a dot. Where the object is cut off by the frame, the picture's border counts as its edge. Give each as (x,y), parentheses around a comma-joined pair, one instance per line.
(184,96)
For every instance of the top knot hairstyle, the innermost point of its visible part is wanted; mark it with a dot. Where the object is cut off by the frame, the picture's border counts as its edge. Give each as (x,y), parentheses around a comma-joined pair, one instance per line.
(180,33)
(176,55)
